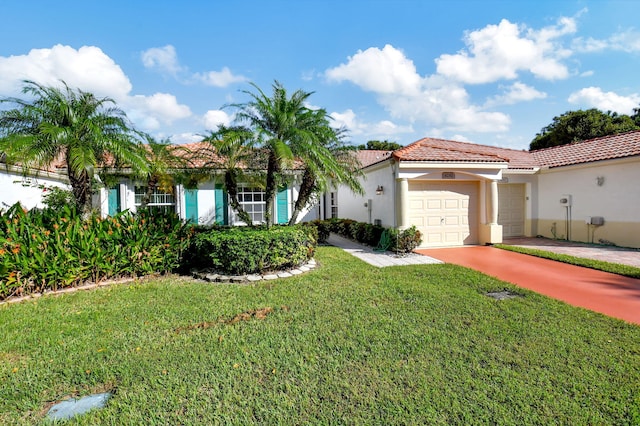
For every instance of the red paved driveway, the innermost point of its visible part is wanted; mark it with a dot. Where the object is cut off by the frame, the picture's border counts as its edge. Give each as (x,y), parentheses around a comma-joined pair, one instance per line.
(602,292)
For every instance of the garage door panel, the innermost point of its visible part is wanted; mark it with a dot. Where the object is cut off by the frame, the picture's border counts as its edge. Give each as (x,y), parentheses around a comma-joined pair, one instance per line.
(451,204)
(416,204)
(434,204)
(433,221)
(452,220)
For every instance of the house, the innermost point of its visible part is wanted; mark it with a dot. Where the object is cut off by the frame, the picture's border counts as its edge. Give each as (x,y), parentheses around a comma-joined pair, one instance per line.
(28,187)
(455,193)
(459,193)
(206,201)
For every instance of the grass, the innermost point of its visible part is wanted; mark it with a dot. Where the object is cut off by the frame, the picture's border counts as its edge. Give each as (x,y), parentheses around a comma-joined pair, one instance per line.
(345,343)
(615,268)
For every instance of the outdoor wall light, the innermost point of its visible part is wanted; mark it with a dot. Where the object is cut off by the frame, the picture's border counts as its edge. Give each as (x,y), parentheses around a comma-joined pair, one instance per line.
(600,180)
(379,190)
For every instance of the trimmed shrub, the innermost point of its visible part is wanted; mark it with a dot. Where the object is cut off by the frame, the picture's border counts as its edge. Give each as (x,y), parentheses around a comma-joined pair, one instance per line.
(406,241)
(47,250)
(247,250)
(366,233)
(322,227)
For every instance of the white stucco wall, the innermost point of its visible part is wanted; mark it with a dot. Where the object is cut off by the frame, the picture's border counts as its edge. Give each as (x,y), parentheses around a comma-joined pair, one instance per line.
(352,206)
(617,199)
(15,187)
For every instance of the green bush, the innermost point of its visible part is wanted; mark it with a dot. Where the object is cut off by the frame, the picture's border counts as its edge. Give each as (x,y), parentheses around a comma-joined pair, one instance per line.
(406,241)
(323,229)
(247,250)
(366,233)
(47,250)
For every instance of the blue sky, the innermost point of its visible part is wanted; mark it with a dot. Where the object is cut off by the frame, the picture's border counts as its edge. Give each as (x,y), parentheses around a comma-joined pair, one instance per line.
(490,72)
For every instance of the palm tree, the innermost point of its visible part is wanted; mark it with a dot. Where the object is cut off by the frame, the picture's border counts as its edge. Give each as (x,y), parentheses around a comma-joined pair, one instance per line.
(69,124)
(167,165)
(326,165)
(232,148)
(290,130)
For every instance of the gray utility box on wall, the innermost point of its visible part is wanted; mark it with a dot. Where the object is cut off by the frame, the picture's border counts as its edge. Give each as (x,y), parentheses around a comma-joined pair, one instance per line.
(595,220)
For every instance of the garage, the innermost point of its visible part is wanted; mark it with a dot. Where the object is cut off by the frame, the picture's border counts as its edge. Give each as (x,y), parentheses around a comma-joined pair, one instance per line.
(446,213)
(511,209)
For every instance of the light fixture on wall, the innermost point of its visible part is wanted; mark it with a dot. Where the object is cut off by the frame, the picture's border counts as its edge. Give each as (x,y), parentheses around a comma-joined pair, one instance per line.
(600,180)
(379,190)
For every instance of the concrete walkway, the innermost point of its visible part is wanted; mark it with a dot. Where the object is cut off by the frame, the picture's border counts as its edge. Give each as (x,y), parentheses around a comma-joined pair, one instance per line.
(377,258)
(624,256)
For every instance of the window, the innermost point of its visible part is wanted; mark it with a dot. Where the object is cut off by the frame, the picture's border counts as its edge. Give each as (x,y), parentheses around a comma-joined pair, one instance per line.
(334,204)
(159,201)
(253,202)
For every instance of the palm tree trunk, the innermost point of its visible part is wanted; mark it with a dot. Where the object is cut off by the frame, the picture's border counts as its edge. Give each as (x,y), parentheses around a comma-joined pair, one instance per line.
(307,187)
(230,182)
(81,189)
(272,185)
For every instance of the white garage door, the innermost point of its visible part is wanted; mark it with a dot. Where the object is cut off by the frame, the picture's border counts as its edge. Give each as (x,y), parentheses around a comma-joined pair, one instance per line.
(511,209)
(446,213)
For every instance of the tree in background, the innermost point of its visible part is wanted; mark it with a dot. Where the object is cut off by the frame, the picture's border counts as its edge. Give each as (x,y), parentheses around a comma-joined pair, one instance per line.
(71,125)
(384,145)
(573,126)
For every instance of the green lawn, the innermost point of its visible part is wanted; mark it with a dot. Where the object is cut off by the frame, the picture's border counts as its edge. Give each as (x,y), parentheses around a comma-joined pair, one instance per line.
(345,343)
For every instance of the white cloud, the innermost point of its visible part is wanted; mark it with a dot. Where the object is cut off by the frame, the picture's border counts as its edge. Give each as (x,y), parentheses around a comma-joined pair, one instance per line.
(384,128)
(188,137)
(87,68)
(221,78)
(408,96)
(595,97)
(164,59)
(624,41)
(517,92)
(386,71)
(214,118)
(163,106)
(90,69)
(501,51)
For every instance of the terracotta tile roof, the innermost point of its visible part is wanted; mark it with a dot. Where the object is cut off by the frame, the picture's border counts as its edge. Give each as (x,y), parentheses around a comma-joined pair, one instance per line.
(368,157)
(604,148)
(431,149)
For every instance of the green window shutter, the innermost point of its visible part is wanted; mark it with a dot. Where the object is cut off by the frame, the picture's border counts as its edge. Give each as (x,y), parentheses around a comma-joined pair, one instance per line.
(222,211)
(114,200)
(191,205)
(282,203)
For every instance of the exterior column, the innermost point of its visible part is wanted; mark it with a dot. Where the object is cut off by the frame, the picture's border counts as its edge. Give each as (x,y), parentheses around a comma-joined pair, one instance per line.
(493,203)
(402,203)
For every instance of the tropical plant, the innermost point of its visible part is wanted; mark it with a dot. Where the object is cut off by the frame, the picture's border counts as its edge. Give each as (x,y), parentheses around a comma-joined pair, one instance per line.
(328,162)
(290,130)
(61,124)
(167,165)
(231,149)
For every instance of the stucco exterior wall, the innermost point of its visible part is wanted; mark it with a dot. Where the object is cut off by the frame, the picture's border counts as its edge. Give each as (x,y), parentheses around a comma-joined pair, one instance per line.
(609,189)
(16,187)
(381,207)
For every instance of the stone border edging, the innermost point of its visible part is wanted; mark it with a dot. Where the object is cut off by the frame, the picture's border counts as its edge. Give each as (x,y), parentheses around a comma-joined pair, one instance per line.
(214,277)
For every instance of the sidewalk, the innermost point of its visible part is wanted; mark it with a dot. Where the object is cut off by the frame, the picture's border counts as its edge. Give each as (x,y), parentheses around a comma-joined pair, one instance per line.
(377,258)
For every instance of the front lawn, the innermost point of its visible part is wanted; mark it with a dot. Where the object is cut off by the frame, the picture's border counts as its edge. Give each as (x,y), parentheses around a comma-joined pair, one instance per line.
(345,343)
